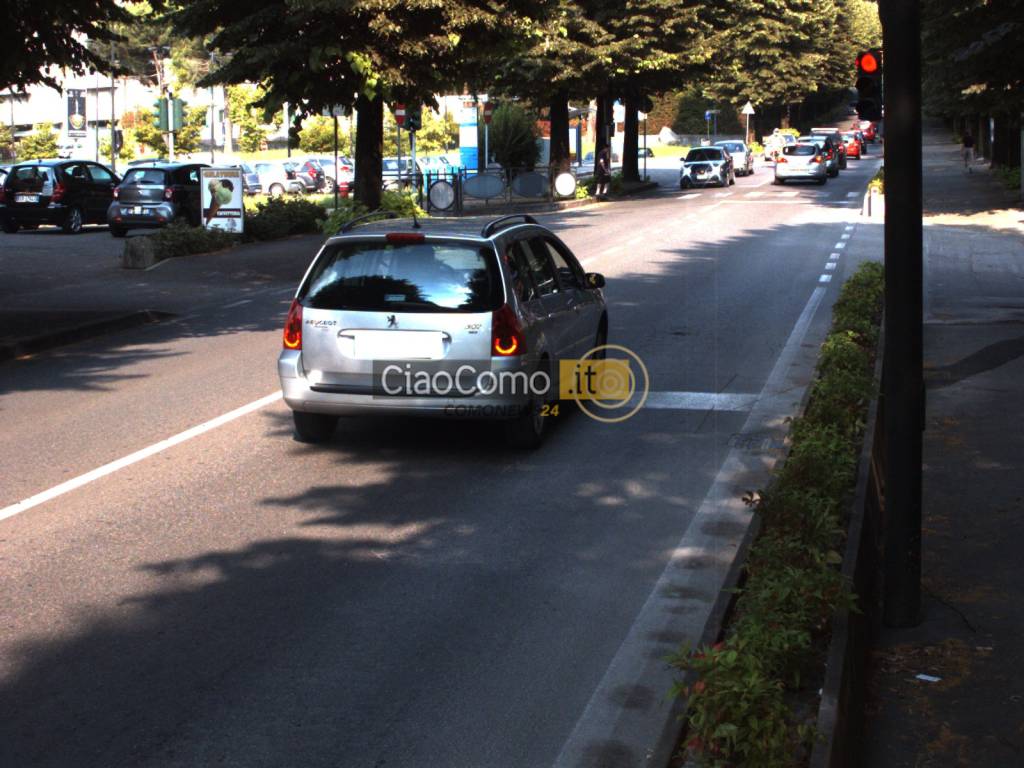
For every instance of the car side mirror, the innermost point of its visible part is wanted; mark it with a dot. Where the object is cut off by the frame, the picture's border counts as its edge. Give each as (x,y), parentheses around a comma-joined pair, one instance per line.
(595,280)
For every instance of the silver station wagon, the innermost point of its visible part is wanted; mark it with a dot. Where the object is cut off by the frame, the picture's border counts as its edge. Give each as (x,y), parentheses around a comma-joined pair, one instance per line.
(438,318)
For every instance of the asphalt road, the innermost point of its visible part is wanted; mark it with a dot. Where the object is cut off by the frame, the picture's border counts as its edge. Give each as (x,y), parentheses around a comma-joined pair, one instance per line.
(411,594)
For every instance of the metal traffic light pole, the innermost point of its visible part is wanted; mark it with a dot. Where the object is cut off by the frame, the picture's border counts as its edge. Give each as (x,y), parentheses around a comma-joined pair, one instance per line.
(903,381)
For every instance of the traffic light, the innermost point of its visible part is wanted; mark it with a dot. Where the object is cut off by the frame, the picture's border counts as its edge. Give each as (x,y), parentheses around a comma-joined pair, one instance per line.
(118,141)
(413,118)
(162,122)
(179,115)
(869,85)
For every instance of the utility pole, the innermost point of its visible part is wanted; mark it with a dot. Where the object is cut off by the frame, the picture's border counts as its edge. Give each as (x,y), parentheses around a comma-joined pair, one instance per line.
(903,387)
(213,115)
(113,121)
(337,176)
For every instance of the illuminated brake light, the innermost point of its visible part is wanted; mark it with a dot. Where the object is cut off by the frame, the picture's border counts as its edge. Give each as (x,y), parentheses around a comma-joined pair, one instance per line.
(782,159)
(404,237)
(817,159)
(168,193)
(506,334)
(293,326)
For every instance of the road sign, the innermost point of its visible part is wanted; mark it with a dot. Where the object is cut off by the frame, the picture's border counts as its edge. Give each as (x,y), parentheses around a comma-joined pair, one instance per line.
(707,114)
(748,108)
(399,115)
(488,112)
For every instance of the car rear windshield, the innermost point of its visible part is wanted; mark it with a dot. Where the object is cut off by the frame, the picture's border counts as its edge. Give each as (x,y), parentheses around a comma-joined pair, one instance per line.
(703,155)
(404,277)
(737,147)
(30,178)
(139,176)
(800,149)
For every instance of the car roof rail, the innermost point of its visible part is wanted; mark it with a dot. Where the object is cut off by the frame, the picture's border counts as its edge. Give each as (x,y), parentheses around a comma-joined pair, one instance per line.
(493,226)
(380,212)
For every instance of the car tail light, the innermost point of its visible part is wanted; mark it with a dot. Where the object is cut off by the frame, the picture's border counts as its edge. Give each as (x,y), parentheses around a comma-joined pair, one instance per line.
(58,192)
(116,193)
(506,334)
(781,159)
(817,159)
(404,237)
(293,326)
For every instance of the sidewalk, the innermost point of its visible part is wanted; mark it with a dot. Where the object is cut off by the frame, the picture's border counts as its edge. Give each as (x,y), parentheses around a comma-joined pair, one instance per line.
(970,637)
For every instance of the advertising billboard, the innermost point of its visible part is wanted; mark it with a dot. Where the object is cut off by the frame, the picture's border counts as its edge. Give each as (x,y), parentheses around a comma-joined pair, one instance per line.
(75,123)
(221,189)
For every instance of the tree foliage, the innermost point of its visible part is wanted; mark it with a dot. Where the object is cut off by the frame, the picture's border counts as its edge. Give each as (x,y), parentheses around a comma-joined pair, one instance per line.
(513,137)
(40,144)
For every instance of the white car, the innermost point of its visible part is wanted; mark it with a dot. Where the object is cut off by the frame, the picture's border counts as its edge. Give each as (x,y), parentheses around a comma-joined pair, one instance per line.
(742,157)
(277,179)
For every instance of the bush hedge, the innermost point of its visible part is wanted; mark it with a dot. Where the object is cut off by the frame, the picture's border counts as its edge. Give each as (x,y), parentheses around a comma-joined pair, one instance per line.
(402,203)
(181,239)
(278,217)
(740,706)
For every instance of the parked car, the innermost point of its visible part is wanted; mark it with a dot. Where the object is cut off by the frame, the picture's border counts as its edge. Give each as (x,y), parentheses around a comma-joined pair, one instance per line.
(343,174)
(156,195)
(510,298)
(312,175)
(837,142)
(66,193)
(742,157)
(278,178)
(3,172)
(829,151)
(852,144)
(643,152)
(146,161)
(801,161)
(706,165)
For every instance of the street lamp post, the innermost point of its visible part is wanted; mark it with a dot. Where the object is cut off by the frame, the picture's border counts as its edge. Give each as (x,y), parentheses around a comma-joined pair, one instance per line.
(213,114)
(113,121)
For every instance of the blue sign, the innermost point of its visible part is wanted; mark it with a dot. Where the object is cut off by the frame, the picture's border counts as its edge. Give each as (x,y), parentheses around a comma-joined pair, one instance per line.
(707,114)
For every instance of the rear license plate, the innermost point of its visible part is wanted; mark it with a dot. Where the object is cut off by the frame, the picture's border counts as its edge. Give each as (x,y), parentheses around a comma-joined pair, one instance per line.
(26,198)
(398,345)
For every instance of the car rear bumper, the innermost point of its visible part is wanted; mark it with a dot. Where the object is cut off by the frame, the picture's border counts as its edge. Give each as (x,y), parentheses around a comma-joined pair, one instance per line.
(124,215)
(302,394)
(786,171)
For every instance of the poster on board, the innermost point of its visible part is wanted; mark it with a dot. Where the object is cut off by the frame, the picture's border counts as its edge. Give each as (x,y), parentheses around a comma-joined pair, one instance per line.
(221,189)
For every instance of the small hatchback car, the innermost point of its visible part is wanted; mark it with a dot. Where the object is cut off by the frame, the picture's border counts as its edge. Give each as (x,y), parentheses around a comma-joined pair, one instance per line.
(433,318)
(706,165)
(801,161)
(67,193)
(156,195)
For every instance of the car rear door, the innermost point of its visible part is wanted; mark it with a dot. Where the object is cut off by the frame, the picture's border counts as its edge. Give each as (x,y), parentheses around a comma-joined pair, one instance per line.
(556,305)
(29,187)
(190,197)
(142,188)
(585,309)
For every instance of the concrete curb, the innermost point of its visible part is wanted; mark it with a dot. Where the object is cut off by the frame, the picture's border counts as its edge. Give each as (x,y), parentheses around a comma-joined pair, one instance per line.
(841,712)
(89,330)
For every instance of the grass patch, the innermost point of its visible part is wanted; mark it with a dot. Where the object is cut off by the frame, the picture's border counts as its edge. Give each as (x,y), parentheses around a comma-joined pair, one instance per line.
(1008,177)
(669,150)
(741,703)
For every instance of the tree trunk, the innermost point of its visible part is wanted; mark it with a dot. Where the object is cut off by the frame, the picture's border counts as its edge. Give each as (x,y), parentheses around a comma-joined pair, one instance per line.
(369,148)
(601,139)
(559,109)
(631,139)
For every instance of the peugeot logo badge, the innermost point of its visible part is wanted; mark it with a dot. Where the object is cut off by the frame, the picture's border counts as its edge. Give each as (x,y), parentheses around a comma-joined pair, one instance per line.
(392,321)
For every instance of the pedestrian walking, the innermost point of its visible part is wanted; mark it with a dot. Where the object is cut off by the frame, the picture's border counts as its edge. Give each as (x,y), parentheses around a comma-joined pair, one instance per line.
(603,173)
(967,149)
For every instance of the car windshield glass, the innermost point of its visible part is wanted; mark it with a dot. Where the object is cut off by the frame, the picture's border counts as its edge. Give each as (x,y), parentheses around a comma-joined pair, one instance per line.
(28,179)
(406,277)
(800,149)
(144,176)
(736,147)
(264,167)
(703,155)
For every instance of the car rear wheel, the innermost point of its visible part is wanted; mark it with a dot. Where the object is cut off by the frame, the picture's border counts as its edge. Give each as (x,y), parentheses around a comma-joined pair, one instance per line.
(527,429)
(313,427)
(11,226)
(73,221)
(276,190)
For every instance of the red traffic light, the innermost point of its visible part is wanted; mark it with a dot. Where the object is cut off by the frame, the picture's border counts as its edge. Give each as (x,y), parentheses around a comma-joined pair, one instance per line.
(867,63)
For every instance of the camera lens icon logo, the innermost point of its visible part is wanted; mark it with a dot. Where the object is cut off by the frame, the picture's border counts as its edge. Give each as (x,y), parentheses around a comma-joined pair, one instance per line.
(606,389)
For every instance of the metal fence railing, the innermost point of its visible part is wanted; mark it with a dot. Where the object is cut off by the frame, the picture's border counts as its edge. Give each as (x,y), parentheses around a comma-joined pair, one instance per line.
(454,191)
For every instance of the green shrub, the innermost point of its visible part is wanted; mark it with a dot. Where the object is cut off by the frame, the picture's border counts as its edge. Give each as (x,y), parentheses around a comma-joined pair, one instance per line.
(1010,177)
(279,217)
(402,203)
(737,712)
(513,137)
(181,239)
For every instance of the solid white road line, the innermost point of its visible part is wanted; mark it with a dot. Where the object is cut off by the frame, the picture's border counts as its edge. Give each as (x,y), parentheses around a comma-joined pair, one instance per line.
(237,303)
(699,401)
(133,458)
